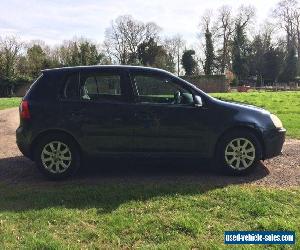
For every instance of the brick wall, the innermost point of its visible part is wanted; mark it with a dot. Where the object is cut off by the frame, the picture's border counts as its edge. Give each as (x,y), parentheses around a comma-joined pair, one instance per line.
(209,84)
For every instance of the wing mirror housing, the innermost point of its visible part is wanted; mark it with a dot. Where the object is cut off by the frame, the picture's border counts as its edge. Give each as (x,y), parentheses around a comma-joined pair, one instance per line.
(198,101)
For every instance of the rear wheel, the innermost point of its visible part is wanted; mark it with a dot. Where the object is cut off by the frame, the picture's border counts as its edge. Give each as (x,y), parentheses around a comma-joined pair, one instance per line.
(57,156)
(238,152)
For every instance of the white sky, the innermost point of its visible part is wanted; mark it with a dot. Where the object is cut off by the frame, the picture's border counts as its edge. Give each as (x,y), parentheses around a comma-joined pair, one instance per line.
(56,20)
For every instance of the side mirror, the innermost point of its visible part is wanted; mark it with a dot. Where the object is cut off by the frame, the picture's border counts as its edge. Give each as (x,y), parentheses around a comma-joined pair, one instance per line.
(198,101)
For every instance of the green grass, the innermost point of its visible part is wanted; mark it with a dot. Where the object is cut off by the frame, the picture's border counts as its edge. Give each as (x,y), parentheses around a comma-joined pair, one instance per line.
(286,105)
(146,216)
(6,103)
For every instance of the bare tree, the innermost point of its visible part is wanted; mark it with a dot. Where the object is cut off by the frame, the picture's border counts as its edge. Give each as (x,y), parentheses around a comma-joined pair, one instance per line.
(208,23)
(245,16)
(125,34)
(296,24)
(206,19)
(133,32)
(174,46)
(115,44)
(267,31)
(285,13)
(222,29)
(209,28)
(152,30)
(240,62)
(225,24)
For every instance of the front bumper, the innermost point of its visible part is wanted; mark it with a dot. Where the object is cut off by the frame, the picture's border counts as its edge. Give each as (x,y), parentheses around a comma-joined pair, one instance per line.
(273,141)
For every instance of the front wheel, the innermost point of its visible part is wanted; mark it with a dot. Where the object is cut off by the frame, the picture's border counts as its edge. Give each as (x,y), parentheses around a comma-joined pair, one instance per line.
(238,152)
(57,156)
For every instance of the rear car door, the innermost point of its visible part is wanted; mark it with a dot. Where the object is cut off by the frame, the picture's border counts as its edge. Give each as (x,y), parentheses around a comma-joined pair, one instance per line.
(97,110)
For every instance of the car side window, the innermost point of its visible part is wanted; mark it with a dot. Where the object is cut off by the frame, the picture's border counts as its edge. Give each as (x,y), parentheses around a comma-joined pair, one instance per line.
(95,86)
(70,90)
(156,89)
(90,86)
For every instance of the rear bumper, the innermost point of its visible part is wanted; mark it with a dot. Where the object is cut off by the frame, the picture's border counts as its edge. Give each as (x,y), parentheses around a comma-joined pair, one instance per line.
(273,141)
(23,142)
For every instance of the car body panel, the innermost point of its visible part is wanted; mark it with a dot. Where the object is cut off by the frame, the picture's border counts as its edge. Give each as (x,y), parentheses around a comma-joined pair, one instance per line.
(129,126)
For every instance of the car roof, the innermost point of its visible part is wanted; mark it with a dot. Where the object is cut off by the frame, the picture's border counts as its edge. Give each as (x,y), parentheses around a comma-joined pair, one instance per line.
(95,67)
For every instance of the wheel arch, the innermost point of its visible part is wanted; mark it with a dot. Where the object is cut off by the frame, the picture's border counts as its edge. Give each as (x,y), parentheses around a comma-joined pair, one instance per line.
(49,132)
(256,132)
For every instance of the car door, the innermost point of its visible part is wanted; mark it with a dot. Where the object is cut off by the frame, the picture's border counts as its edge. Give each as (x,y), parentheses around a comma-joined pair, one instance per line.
(100,113)
(164,122)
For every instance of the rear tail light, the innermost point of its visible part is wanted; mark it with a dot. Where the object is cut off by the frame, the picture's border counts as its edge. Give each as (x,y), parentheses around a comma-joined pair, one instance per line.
(24,110)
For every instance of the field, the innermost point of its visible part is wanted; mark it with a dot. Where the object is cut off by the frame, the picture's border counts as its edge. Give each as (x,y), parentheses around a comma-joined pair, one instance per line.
(9,102)
(129,210)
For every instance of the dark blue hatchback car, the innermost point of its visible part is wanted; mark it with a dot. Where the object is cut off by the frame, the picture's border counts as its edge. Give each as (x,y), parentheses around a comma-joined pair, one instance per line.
(69,114)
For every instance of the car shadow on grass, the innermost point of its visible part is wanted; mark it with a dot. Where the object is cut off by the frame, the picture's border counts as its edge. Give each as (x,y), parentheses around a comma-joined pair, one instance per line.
(105,184)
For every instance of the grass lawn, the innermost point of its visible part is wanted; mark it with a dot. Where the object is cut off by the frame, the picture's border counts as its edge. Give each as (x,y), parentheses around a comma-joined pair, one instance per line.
(147,216)
(6,103)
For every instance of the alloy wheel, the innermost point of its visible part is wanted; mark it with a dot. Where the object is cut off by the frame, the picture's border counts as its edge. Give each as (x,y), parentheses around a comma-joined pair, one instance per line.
(240,153)
(56,157)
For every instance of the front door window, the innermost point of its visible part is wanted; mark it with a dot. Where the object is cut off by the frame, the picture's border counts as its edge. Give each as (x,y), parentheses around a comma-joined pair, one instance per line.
(156,89)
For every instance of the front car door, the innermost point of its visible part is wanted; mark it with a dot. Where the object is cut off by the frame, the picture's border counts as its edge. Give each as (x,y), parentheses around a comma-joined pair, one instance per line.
(166,117)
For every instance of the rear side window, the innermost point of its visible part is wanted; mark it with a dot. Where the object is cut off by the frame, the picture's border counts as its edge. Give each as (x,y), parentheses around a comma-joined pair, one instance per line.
(100,85)
(109,85)
(71,87)
(91,86)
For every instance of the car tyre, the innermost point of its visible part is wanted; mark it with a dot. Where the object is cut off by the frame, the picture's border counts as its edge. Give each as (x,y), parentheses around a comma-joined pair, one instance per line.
(238,152)
(57,156)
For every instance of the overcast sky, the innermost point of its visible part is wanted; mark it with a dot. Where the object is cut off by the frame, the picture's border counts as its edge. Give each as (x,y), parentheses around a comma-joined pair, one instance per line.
(57,20)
